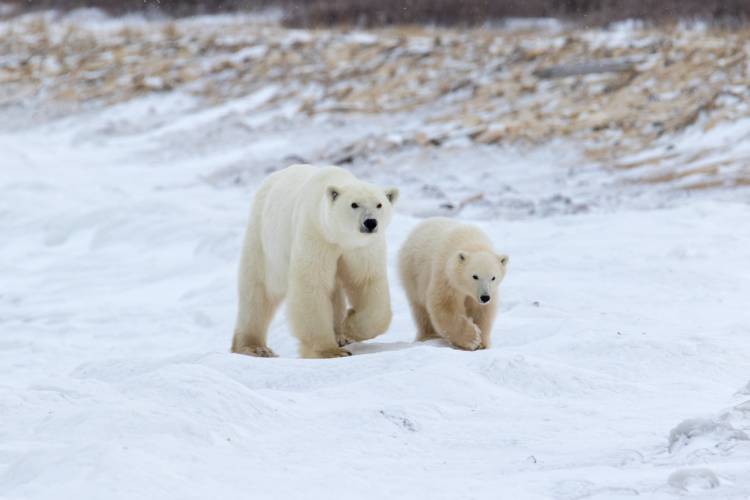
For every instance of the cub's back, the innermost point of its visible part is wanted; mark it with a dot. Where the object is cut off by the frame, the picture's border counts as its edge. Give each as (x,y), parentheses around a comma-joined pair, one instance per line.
(419,253)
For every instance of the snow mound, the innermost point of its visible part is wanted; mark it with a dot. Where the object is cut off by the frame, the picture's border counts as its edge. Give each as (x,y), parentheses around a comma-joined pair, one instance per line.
(699,433)
(693,480)
(745,390)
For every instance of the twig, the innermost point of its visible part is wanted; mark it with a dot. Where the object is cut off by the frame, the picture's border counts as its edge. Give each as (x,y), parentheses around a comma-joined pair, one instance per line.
(586,68)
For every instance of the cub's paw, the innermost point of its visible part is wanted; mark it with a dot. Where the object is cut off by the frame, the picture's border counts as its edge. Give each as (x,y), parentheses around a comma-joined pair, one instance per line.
(257,351)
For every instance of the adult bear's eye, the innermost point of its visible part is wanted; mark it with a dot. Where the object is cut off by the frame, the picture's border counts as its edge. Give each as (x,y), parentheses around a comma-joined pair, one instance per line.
(380,205)
(493,278)
(354,205)
(475,277)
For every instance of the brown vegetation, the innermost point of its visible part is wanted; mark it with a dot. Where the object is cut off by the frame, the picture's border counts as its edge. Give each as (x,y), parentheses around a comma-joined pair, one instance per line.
(484,85)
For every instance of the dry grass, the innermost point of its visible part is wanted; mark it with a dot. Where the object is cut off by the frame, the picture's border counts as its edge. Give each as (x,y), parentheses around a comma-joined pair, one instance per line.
(478,84)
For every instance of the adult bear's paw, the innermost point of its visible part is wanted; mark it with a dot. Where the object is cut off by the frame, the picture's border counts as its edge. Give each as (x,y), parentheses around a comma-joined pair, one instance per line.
(257,351)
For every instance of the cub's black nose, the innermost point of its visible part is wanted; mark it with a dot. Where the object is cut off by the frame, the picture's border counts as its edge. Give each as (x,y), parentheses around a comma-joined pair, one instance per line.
(371,224)
(484,299)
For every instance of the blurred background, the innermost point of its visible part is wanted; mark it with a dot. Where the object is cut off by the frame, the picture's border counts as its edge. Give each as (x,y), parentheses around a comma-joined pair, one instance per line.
(311,13)
(650,93)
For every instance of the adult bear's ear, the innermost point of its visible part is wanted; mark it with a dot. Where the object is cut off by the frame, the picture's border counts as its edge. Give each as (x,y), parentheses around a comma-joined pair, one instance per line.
(392,194)
(333,193)
(503,259)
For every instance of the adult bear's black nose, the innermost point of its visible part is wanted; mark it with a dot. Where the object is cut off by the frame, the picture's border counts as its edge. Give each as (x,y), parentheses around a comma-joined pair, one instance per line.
(370,224)
(484,299)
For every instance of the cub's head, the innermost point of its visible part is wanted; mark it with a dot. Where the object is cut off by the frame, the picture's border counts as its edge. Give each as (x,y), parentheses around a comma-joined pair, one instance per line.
(477,274)
(356,212)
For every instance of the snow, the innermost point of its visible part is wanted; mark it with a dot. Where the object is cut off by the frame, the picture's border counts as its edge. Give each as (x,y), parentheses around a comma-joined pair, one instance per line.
(620,357)
(694,480)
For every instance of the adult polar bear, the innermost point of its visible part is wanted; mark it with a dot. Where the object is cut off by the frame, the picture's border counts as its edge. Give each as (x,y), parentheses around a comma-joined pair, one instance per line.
(316,236)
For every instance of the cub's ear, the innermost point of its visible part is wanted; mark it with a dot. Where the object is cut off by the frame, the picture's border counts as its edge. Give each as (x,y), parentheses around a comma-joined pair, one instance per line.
(333,193)
(392,194)
(503,259)
(461,256)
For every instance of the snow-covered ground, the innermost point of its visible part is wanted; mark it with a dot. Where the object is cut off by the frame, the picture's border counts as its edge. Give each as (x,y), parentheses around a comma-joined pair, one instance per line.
(620,364)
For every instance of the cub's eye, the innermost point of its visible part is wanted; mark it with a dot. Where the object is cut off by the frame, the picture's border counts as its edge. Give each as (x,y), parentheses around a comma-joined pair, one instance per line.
(493,278)
(355,206)
(475,277)
(380,205)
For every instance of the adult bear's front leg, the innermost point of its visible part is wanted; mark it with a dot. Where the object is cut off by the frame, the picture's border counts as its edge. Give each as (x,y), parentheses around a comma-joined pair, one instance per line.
(310,310)
(370,314)
(365,277)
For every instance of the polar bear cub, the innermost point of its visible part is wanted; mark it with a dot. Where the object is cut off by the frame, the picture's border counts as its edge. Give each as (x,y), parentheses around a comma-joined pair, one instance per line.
(451,273)
(316,236)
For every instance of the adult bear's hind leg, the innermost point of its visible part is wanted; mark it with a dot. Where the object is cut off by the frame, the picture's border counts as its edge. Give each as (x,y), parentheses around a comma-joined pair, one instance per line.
(256,307)
(253,320)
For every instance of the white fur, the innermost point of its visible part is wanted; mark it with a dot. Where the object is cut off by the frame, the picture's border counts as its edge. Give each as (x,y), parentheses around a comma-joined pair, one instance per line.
(304,242)
(438,264)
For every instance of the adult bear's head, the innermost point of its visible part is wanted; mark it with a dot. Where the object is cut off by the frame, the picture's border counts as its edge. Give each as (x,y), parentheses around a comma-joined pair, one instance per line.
(356,212)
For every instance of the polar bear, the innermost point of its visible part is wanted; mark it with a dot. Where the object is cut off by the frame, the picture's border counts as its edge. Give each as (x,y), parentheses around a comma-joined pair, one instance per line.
(316,236)
(450,273)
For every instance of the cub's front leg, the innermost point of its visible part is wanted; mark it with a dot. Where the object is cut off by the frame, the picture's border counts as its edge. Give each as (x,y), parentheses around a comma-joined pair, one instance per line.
(310,307)
(449,319)
(483,316)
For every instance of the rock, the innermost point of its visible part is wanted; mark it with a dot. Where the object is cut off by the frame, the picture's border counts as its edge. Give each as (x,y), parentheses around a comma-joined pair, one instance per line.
(491,136)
